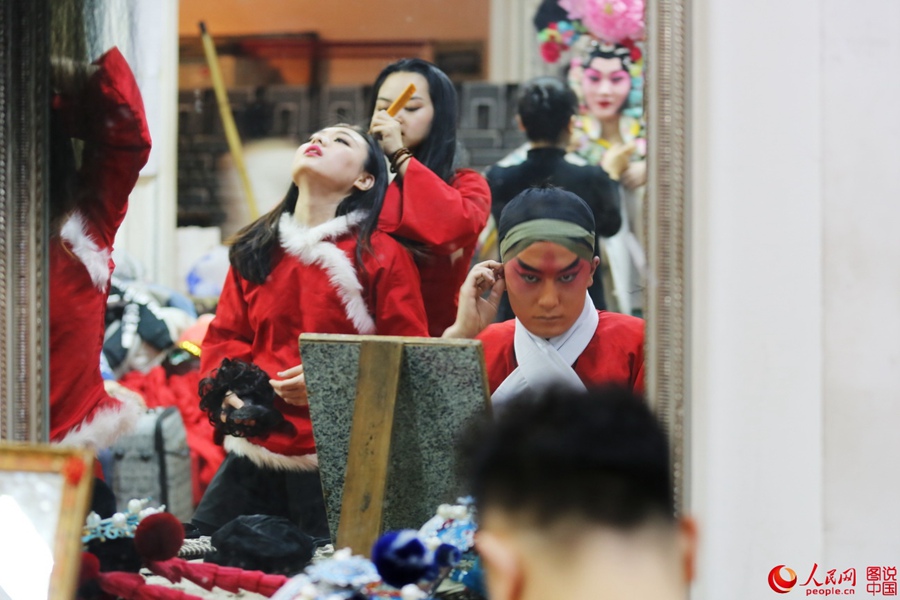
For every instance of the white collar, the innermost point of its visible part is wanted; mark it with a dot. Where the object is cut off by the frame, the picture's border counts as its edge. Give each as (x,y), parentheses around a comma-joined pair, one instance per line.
(545,362)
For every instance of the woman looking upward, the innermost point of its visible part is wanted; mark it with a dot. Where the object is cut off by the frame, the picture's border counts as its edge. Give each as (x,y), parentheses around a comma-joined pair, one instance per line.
(315,263)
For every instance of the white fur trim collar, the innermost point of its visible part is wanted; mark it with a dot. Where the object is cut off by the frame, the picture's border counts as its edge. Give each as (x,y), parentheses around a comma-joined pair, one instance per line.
(94,258)
(104,426)
(313,246)
(265,458)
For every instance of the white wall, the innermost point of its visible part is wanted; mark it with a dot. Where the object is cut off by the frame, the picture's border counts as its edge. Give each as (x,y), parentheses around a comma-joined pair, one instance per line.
(148,232)
(513,55)
(795,290)
(861,135)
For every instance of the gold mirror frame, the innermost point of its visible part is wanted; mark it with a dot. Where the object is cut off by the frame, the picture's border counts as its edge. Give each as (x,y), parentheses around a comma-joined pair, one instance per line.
(24,43)
(72,469)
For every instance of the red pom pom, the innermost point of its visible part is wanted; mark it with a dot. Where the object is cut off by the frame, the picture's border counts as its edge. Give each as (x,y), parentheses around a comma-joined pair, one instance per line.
(636,53)
(158,537)
(90,568)
(550,51)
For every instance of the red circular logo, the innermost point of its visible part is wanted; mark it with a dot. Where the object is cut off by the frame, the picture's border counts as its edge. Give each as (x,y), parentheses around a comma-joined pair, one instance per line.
(780,584)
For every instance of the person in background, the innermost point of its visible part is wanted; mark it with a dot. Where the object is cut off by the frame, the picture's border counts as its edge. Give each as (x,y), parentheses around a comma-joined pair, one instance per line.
(575,500)
(315,263)
(607,133)
(431,204)
(101,105)
(546,107)
(558,338)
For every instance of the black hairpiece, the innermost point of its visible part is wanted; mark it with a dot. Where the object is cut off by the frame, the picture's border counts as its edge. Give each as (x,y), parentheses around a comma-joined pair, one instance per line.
(258,417)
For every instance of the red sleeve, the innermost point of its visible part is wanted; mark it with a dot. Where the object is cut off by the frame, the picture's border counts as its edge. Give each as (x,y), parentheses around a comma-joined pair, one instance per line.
(499,355)
(637,385)
(395,292)
(110,119)
(635,326)
(230,334)
(618,352)
(425,209)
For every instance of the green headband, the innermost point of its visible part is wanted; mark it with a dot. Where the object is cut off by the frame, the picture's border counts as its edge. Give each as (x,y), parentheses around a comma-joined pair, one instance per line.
(565,233)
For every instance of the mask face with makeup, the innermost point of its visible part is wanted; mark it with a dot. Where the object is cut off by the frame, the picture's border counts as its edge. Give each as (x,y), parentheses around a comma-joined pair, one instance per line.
(547,284)
(605,85)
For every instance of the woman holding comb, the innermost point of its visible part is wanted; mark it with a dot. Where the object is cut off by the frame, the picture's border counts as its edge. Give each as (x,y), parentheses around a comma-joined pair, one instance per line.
(438,209)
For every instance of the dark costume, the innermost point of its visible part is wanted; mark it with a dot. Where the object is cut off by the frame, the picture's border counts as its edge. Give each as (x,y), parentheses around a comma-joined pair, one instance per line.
(314,286)
(446,220)
(550,165)
(117,145)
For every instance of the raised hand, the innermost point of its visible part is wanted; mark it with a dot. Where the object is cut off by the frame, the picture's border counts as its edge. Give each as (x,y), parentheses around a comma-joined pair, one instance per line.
(479,298)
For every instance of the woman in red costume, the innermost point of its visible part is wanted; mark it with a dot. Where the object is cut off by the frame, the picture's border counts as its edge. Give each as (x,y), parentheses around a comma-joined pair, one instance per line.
(315,263)
(428,203)
(103,107)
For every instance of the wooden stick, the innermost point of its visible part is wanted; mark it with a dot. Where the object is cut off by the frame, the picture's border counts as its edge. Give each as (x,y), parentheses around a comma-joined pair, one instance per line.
(362,505)
(231,132)
(401,100)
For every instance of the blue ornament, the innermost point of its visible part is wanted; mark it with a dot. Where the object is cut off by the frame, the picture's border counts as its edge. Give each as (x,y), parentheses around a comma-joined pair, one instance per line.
(474,579)
(447,555)
(402,558)
(460,534)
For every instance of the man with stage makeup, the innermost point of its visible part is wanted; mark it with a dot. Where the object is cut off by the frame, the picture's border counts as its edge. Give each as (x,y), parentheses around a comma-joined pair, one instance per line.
(558,338)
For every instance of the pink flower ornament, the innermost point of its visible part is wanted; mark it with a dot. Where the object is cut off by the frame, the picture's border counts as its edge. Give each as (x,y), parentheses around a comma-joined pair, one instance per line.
(575,8)
(614,21)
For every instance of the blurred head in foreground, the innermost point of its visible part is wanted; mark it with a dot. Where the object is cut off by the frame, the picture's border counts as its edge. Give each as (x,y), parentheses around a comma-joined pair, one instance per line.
(574,497)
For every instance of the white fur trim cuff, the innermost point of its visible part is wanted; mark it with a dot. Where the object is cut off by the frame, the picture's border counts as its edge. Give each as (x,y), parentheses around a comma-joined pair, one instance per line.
(94,258)
(102,428)
(265,458)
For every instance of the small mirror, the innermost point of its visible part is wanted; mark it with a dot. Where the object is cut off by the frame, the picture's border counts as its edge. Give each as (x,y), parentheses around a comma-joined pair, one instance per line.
(44,496)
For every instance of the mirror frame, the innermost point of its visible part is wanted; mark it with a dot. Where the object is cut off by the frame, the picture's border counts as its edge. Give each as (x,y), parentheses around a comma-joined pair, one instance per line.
(24,122)
(24,79)
(74,466)
(668,213)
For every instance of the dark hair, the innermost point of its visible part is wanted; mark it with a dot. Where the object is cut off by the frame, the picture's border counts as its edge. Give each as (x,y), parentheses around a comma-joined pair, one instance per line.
(598,456)
(546,106)
(64,194)
(438,150)
(545,201)
(251,249)
(619,51)
(251,384)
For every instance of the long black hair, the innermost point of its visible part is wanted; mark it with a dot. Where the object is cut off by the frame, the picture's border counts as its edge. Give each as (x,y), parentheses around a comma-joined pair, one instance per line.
(251,249)
(438,150)
(64,192)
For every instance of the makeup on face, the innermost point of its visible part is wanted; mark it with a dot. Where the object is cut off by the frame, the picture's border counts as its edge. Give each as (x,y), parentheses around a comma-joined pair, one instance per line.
(334,152)
(416,115)
(546,284)
(605,84)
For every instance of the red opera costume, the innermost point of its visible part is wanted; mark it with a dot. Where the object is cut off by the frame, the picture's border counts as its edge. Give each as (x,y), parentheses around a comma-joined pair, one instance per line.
(447,220)
(117,145)
(314,286)
(615,354)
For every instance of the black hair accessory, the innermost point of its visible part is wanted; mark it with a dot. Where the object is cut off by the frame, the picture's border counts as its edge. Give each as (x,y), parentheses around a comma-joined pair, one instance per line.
(258,417)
